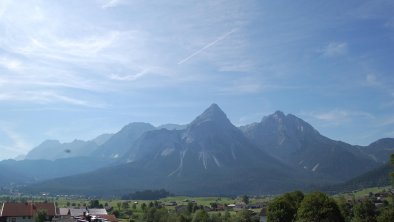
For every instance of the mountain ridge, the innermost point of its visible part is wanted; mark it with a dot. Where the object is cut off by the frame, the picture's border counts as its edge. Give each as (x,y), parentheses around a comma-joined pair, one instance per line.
(279,153)
(211,155)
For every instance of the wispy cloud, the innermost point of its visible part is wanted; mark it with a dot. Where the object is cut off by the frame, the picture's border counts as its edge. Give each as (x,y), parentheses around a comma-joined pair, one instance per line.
(129,77)
(386,121)
(335,49)
(110,3)
(17,145)
(9,63)
(46,97)
(339,116)
(50,46)
(248,119)
(371,80)
(242,87)
(374,81)
(206,46)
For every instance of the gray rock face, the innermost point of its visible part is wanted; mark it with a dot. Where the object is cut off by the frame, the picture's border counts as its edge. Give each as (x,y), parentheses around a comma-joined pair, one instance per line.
(297,143)
(122,141)
(210,156)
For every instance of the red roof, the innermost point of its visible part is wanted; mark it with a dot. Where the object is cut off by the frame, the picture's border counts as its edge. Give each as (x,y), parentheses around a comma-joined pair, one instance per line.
(27,209)
(110,217)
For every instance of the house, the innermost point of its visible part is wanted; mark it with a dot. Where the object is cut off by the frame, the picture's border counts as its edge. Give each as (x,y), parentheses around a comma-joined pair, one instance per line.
(25,212)
(97,211)
(109,217)
(78,212)
(231,206)
(172,203)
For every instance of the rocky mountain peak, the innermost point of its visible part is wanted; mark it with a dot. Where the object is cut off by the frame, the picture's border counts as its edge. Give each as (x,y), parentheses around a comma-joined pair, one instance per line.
(212,114)
(278,115)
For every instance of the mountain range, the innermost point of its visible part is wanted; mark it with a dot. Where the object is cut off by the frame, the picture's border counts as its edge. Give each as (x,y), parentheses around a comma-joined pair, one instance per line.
(209,156)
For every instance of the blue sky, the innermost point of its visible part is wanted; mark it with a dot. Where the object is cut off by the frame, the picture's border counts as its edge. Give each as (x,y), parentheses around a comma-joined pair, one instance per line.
(76,69)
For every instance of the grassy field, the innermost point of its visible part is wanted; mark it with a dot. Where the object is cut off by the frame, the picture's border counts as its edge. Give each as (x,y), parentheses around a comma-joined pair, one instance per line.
(133,208)
(362,193)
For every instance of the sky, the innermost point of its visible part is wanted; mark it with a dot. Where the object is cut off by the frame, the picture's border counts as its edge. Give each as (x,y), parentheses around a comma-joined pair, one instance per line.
(77,69)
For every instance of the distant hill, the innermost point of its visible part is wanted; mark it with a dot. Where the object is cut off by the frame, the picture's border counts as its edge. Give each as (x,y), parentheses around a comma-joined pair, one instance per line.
(378,177)
(28,171)
(9,176)
(380,150)
(53,149)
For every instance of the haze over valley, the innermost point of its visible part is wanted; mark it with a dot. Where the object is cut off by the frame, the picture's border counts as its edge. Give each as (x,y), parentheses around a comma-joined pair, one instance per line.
(108,97)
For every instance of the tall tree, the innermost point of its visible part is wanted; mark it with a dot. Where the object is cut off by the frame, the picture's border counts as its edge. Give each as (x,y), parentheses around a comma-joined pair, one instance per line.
(364,211)
(94,204)
(201,216)
(346,209)
(245,199)
(40,216)
(280,210)
(284,208)
(386,215)
(318,207)
(392,164)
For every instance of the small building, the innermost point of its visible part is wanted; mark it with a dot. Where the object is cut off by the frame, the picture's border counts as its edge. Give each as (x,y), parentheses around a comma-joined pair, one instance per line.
(25,212)
(78,212)
(172,203)
(109,217)
(97,211)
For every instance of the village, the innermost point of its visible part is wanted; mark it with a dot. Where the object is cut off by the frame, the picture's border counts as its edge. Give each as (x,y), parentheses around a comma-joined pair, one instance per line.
(66,209)
(125,211)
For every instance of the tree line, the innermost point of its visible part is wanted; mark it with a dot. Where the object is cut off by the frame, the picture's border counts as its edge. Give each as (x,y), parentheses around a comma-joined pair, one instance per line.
(147,195)
(317,207)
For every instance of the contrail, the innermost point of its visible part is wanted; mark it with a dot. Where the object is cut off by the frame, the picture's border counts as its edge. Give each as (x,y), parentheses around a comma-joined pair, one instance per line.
(206,46)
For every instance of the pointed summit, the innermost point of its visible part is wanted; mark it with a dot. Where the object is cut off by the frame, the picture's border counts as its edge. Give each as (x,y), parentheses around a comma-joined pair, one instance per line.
(276,116)
(279,113)
(212,114)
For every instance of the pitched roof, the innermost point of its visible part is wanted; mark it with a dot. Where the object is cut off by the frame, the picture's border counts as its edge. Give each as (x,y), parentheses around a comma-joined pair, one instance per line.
(63,211)
(109,217)
(77,212)
(96,211)
(27,209)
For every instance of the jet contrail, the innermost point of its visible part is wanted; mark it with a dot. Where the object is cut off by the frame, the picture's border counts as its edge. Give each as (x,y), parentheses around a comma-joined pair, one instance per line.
(206,46)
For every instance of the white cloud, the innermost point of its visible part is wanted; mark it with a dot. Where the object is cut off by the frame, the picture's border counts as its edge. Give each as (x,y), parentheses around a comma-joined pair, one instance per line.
(339,116)
(45,97)
(111,3)
(129,77)
(18,144)
(82,49)
(335,49)
(3,6)
(248,119)
(9,63)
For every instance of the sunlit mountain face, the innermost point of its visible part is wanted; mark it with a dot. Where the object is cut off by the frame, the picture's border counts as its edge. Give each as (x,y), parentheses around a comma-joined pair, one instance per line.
(211,156)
